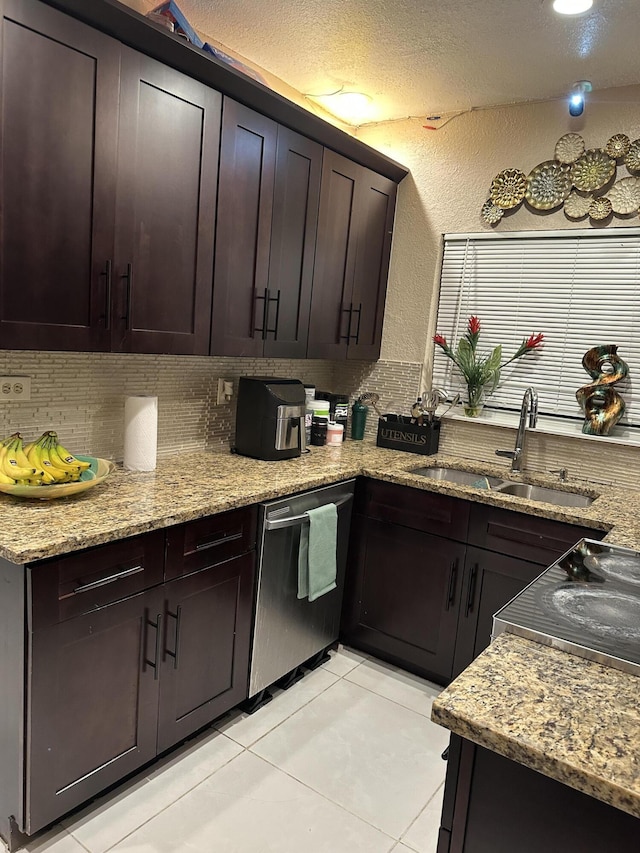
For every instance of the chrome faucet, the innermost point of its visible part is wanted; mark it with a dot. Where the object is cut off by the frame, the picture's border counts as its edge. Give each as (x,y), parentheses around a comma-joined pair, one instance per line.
(529,408)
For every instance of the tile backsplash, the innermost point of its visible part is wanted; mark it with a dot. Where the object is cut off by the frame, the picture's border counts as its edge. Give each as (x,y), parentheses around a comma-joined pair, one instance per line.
(81,395)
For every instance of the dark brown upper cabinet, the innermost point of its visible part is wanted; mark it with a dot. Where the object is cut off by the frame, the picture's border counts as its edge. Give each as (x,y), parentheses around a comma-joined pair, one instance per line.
(166,196)
(108,171)
(352,261)
(268,195)
(58,126)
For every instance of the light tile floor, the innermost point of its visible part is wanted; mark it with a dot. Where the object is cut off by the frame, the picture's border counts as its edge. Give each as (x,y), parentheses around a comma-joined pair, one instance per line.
(345,761)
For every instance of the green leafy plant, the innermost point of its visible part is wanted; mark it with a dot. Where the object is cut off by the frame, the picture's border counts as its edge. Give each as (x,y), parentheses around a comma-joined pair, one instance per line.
(481,372)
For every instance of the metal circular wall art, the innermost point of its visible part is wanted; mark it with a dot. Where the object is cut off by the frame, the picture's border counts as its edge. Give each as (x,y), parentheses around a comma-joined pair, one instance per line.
(618,146)
(576,179)
(548,185)
(491,213)
(508,188)
(569,147)
(593,170)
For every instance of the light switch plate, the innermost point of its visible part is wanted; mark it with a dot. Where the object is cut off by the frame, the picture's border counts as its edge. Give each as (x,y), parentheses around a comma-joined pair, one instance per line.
(225,391)
(15,388)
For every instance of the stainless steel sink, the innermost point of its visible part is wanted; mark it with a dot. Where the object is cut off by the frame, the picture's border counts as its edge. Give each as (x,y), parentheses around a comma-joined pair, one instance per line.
(505,487)
(463,478)
(541,493)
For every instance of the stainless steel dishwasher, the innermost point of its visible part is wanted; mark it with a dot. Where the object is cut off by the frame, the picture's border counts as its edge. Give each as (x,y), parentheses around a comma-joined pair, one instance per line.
(289,631)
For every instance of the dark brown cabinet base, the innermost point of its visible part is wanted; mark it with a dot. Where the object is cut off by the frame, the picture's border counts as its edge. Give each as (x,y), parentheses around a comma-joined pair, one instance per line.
(494,805)
(429,571)
(130,648)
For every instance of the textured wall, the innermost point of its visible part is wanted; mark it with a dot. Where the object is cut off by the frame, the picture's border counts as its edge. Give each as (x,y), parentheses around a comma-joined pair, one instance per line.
(451,172)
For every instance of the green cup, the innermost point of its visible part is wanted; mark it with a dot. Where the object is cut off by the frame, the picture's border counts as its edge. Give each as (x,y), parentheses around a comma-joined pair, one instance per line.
(358,420)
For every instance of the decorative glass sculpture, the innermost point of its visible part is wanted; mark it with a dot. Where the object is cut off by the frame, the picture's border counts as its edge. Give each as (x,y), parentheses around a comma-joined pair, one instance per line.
(602,405)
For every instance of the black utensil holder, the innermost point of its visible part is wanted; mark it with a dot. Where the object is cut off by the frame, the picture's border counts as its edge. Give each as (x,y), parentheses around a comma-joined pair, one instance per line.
(398,433)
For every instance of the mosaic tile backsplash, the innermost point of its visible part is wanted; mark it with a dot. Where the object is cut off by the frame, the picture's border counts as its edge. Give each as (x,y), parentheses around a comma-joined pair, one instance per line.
(81,395)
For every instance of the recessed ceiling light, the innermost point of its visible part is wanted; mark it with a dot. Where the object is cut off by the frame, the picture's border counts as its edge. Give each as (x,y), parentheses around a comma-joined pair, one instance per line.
(571,7)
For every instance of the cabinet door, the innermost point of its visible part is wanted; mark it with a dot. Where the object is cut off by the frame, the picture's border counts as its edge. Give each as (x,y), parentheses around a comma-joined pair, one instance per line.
(404,598)
(490,581)
(335,264)
(293,240)
(93,704)
(205,659)
(58,130)
(245,202)
(376,208)
(167,180)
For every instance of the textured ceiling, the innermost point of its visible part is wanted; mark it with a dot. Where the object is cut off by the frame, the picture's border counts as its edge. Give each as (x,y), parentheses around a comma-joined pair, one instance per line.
(417,58)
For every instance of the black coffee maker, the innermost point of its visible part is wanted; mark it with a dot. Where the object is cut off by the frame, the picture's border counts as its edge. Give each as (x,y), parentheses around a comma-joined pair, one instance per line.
(270,418)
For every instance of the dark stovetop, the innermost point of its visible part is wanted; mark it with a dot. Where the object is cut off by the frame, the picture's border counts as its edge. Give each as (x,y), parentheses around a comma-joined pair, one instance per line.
(586,603)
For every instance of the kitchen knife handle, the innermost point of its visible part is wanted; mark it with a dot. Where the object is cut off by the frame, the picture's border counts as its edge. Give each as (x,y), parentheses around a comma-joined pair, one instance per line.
(471,592)
(451,593)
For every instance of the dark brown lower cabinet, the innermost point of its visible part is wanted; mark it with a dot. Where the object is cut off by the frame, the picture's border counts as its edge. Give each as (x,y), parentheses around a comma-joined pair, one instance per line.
(429,571)
(92,715)
(490,581)
(404,595)
(130,647)
(205,658)
(495,805)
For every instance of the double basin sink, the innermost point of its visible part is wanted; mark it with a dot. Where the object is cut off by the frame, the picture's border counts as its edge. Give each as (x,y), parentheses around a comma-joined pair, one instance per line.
(505,487)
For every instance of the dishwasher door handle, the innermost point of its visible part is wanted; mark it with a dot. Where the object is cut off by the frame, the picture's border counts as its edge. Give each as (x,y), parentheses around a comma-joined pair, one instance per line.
(296,520)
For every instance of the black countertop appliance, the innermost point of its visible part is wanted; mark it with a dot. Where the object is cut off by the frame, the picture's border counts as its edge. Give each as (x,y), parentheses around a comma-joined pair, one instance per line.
(270,418)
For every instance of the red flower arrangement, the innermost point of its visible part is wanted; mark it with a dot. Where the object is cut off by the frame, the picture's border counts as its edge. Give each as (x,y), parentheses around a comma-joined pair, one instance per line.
(481,372)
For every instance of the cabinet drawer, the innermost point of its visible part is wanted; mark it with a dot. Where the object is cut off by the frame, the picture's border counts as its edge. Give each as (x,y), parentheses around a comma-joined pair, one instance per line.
(426,511)
(78,583)
(538,540)
(207,541)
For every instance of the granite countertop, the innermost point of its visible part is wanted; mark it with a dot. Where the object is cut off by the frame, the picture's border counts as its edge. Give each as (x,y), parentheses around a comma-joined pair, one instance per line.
(192,485)
(540,706)
(566,717)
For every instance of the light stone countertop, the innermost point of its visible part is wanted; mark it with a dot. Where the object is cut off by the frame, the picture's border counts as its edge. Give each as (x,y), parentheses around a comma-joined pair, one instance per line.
(570,718)
(566,717)
(189,486)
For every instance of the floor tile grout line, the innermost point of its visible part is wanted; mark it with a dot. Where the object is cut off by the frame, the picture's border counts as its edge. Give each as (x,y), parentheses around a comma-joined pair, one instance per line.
(325,797)
(389,699)
(172,803)
(417,817)
(292,714)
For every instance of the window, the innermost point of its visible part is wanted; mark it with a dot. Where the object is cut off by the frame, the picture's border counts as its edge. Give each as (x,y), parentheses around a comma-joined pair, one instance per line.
(579,288)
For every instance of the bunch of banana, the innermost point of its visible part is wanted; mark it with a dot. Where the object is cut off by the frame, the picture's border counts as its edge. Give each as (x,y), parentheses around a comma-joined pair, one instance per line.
(15,467)
(39,463)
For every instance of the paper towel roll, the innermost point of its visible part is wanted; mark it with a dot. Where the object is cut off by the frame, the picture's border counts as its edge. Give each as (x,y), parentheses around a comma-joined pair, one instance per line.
(140,433)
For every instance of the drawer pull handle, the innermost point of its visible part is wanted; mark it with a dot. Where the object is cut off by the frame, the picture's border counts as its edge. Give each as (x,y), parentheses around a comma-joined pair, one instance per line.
(125,573)
(154,664)
(175,654)
(451,594)
(219,540)
(471,593)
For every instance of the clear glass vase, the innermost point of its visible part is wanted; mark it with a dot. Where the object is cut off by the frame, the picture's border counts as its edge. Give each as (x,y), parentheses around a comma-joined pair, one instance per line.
(474,401)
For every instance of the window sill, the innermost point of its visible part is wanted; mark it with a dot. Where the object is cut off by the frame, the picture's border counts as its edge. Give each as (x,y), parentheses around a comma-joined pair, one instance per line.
(623,435)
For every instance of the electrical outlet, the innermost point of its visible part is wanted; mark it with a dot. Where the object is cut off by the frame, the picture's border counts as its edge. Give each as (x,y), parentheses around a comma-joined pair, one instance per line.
(15,388)
(225,391)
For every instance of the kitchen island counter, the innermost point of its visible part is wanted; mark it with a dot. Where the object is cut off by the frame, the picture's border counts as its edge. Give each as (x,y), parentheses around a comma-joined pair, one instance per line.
(193,485)
(568,718)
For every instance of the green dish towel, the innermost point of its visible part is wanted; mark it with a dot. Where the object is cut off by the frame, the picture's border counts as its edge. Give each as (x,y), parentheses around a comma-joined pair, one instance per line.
(317,566)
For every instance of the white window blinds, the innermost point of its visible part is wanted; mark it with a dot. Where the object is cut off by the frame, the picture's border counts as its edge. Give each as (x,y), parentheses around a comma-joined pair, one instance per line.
(580,289)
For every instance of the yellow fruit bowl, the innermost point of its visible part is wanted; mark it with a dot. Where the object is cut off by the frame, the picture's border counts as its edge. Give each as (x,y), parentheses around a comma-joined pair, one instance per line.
(98,471)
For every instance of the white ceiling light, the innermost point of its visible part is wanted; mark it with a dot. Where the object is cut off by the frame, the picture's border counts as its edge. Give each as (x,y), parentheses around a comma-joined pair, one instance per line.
(572,7)
(351,107)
